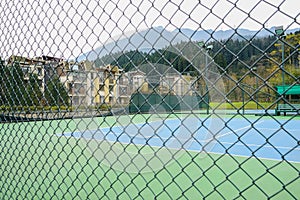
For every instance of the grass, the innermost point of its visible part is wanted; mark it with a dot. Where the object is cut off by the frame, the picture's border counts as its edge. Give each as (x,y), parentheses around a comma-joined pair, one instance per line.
(251,105)
(38,164)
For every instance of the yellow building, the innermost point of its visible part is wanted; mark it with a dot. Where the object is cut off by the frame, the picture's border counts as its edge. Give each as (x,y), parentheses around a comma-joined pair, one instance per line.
(106,85)
(91,86)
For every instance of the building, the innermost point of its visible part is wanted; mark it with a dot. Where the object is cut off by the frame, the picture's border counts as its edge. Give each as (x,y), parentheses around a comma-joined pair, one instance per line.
(77,79)
(177,84)
(138,81)
(88,85)
(106,86)
(44,67)
(129,83)
(29,66)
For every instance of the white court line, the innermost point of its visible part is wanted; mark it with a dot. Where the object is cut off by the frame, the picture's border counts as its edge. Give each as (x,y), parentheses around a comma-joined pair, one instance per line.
(263,146)
(218,153)
(236,144)
(242,144)
(279,129)
(253,157)
(218,136)
(236,130)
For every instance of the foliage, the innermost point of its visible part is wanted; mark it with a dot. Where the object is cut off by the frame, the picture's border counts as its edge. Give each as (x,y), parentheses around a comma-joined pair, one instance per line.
(236,58)
(55,93)
(34,93)
(24,90)
(290,69)
(13,91)
(251,105)
(29,109)
(290,73)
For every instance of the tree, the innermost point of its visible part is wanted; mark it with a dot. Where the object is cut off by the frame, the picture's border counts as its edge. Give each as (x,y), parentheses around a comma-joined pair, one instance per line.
(34,93)
(13,85)
(55,93)
(291,69)
(3,82)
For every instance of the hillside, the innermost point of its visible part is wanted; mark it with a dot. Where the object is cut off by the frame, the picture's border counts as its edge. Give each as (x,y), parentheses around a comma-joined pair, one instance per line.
(158,38)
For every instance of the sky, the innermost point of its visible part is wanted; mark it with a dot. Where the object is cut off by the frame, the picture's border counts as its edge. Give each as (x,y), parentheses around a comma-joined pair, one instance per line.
(69,28)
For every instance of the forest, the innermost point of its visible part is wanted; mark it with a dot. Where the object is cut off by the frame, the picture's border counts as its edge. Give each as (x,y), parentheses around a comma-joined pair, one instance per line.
(249,65)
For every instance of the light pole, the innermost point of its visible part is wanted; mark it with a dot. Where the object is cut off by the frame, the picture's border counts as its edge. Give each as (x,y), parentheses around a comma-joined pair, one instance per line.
(207,48)
(256,87)
(280,34)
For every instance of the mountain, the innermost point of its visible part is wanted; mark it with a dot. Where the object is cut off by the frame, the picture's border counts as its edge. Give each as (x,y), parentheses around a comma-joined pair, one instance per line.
(145,40)
(158,37)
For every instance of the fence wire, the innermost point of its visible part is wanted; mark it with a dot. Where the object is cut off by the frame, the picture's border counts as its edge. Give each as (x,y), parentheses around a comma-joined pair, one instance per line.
(150,99)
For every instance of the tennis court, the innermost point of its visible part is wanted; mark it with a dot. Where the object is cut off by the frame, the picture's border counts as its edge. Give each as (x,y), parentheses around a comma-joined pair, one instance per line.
(150,100)
(107,158)
(262,138)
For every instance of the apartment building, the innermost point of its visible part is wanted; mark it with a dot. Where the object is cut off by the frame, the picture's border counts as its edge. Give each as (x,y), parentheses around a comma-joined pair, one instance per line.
(106,85)
(44,67)
(77,78)
(91,86)
(88,85)
(177,84)
(129,83)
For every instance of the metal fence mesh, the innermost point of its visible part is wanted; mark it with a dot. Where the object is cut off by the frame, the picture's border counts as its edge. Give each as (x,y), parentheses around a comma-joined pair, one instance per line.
(150,99)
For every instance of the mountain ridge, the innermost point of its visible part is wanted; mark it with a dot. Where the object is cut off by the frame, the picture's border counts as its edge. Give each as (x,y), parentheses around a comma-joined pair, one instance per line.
(159,37)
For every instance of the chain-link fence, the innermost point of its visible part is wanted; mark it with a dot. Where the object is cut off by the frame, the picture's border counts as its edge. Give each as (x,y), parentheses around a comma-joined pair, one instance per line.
(150,99)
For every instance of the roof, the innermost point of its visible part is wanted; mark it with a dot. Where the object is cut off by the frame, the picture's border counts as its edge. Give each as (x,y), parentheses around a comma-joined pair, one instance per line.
(288,89)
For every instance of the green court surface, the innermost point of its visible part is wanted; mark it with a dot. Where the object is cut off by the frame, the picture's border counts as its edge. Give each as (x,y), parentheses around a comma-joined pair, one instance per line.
(36,163)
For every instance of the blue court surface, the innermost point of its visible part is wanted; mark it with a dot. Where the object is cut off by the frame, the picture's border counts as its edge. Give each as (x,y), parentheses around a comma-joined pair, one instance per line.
(263,138)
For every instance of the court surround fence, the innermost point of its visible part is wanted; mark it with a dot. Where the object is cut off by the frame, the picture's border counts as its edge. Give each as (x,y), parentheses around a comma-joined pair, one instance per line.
(149,100)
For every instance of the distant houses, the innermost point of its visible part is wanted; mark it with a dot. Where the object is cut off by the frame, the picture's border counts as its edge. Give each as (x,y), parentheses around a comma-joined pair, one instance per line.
(88,85)
(44,67)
